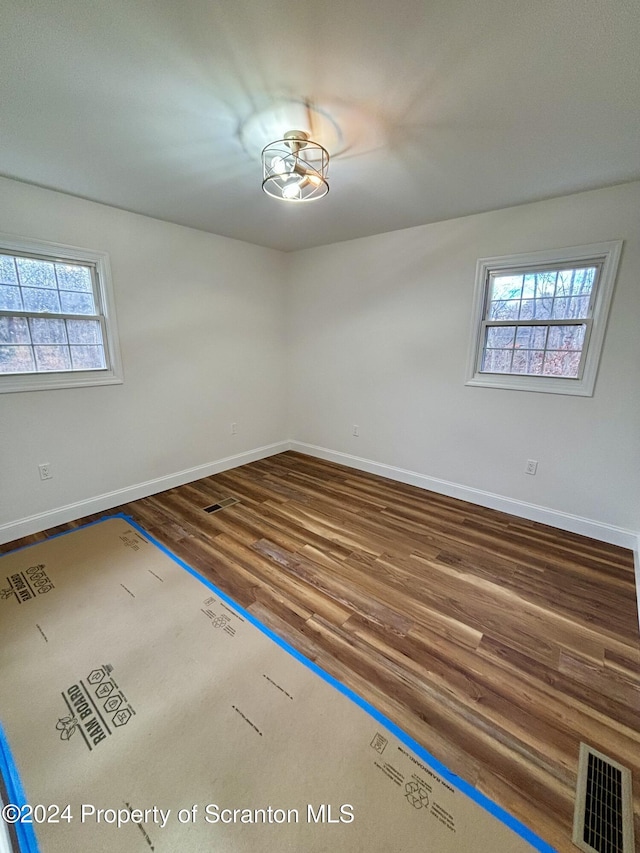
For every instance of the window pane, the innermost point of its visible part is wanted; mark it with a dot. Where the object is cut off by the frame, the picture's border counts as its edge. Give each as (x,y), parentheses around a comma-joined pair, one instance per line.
(14,330)
(540,285)
(35,273)
(589,278)
(500,337)
(531,337)
(566,282)
(573,364)
(506,287)
(578,307)
(10,299)
(74,277)
(84,332)
(540,336)
(520,361)
(535,360)
(7,270)
(87,358)
(576,282)
(561,364)
(52,357)
(536,309)
(530,288)
(573,308)
(566,337)
(527,362)
(524,337)
(497,361)
(561,308)
(77,303)
(16,360)
(504,310)
(42,301)
(48,331)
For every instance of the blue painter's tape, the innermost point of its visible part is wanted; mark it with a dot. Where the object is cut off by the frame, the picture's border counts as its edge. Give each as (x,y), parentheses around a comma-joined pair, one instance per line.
(15,796)
(478,797)
(65,533)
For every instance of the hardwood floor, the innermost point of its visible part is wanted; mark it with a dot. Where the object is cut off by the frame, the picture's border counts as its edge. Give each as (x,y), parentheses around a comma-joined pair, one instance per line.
(497,643)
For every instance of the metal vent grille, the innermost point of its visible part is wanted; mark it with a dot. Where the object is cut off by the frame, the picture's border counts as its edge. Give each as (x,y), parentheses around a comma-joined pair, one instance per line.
(222,505)
(603,817)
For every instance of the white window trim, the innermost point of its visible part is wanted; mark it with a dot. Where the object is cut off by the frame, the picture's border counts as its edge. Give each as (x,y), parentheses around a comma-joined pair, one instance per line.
(11,244)
(607,254)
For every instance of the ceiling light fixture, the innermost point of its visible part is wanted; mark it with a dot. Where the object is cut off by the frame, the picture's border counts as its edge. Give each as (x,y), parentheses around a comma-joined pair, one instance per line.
(295,168)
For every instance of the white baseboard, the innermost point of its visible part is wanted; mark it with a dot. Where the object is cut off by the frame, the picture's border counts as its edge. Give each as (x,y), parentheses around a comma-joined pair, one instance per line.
(61,515)
(522,509)
(562,520)
(636,563)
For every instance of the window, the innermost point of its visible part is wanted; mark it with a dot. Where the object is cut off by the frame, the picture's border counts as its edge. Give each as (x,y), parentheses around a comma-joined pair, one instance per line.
(57,319)
(540,319)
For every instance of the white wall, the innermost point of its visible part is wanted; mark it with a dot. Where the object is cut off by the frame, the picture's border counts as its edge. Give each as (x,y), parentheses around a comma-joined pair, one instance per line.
(202,341)
(371,332)
(379,330)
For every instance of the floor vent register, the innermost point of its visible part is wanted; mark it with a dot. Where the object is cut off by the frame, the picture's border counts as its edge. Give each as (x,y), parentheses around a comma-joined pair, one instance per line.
(222,505)
(603,817)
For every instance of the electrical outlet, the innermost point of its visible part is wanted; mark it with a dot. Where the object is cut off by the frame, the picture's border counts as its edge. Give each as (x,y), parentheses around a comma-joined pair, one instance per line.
(45,471)
(356,430)
(532,466)
(234,429)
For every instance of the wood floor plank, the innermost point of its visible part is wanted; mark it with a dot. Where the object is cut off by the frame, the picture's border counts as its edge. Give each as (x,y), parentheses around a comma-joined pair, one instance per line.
(498,643)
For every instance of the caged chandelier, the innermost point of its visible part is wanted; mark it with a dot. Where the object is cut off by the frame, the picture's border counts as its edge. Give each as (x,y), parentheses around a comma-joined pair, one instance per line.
(295,168)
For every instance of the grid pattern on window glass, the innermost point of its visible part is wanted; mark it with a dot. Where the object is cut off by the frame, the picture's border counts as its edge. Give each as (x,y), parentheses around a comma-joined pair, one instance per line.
(49,319)
(536,321)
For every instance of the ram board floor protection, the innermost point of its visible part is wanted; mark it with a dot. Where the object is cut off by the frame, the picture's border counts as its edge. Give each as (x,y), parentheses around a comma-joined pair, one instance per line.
(142,710)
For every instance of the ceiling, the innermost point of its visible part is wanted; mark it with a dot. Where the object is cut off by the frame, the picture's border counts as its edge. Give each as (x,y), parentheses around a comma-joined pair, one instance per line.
(432,108)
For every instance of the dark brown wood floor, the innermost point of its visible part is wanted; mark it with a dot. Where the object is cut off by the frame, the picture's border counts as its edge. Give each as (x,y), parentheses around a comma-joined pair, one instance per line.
(498,644)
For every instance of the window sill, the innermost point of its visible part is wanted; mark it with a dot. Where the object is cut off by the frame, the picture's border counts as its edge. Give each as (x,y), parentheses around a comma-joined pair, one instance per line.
(547,385)
(46,382)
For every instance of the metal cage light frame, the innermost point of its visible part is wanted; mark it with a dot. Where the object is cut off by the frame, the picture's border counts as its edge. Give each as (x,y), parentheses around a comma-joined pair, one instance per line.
(295,168)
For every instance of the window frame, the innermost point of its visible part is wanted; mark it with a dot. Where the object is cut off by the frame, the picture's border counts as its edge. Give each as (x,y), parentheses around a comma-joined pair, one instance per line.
(606,257)
(11,244)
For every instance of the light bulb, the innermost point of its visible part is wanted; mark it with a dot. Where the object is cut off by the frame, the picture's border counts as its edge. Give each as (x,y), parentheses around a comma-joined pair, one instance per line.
(278,165)
(291,191)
